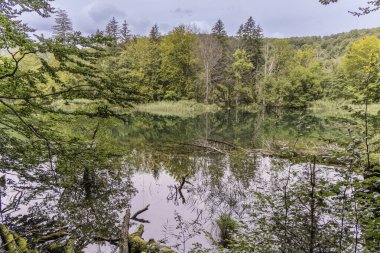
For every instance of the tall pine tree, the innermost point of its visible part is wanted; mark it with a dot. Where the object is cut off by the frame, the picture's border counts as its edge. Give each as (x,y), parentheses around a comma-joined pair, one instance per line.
(63,26)
(220,80)
(219,32)
(112,30)
(125,33)
(154,34)
(252,38)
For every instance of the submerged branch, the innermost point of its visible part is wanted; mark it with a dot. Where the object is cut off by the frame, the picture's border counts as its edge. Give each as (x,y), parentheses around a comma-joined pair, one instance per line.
(135,218)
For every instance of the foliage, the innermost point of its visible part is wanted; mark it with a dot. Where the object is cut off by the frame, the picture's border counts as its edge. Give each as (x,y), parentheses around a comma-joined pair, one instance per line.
(125,33)
(361,64)
(73,168)
(63,25)
(179,65)
(296,84)
(227,227)
(241,68)
(113,31)
(372,6)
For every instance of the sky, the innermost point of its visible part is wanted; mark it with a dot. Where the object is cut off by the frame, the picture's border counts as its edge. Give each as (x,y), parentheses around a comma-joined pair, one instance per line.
(278,18)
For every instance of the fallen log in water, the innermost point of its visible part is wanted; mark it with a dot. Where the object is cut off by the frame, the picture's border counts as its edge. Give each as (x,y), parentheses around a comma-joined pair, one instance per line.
(134,243)
(139,245)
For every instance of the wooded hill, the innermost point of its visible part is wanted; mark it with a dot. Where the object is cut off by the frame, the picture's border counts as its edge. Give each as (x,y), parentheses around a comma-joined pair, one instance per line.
(335,44)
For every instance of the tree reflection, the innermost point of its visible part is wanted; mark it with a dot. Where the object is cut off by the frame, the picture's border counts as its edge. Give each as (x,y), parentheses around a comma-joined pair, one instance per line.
(81,197)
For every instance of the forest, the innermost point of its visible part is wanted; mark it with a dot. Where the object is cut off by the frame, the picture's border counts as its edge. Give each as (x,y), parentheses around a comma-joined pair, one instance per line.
(202,141)
(244,69)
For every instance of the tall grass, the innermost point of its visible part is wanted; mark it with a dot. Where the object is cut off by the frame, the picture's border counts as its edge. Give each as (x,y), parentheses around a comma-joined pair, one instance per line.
(75,105)
(183,108)
(341,108)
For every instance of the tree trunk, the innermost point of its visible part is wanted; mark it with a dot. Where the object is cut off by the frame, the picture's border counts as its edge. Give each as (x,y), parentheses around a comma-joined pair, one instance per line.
(207,84)
(124,248)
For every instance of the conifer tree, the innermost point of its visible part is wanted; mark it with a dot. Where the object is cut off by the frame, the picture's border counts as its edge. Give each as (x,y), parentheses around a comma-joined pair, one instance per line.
(154,34)
(239,33)
(63,26)
(219,74)
(252,38)
(125,32)
(219,32)
(112,30)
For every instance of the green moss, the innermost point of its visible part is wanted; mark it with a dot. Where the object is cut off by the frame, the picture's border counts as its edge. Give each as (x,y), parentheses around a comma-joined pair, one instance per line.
(9,240)
(70,247)
(137,244)
(22,244)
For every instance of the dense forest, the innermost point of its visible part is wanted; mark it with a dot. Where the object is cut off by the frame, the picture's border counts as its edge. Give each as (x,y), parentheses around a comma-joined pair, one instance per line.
(74,155)
(232,70)
(241,69)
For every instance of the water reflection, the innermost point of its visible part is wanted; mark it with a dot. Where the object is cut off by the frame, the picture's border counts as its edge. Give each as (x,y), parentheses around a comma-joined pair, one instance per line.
(190,171)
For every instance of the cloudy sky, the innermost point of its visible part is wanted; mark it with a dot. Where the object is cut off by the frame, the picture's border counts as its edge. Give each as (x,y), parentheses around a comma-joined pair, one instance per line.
(278,18)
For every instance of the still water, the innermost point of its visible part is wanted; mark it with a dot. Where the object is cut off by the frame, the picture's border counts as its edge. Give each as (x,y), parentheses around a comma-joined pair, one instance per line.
(188,172)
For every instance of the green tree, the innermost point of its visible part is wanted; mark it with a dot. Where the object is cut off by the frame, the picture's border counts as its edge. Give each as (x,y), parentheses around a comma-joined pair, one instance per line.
(70,69)
(179,64)
(63,26)
(219,32)
(240,67)
(220,75)
(210,52)
(298,80)
(252,38)
(136,64)
(154,33)
(125,33)
(112,30)
(361,64)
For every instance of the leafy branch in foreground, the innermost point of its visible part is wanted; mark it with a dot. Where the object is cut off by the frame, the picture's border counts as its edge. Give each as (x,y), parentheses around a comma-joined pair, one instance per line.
(55,68)
(371,7)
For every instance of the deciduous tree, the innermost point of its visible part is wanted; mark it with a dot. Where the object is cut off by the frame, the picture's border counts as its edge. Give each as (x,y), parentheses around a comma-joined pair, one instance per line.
(210,52)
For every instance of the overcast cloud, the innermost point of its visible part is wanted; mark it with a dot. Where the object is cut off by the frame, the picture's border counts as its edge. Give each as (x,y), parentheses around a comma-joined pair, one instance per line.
(278,18)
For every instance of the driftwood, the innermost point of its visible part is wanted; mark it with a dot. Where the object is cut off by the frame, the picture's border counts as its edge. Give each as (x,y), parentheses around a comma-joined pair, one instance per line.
(13,243)
(222,142)
(134,243)
(138,244)
(206,147)
(53,236)
(135,218)
(128,243)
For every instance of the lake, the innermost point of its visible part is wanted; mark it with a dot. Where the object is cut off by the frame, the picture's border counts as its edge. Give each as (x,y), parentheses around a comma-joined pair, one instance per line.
(260,170)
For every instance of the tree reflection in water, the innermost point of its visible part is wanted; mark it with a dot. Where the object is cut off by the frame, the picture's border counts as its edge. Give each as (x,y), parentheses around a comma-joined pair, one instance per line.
(194,173)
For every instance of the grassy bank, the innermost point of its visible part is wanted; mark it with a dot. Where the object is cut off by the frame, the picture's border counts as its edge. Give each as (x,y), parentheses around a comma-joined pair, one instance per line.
(183,108)
(339,108)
